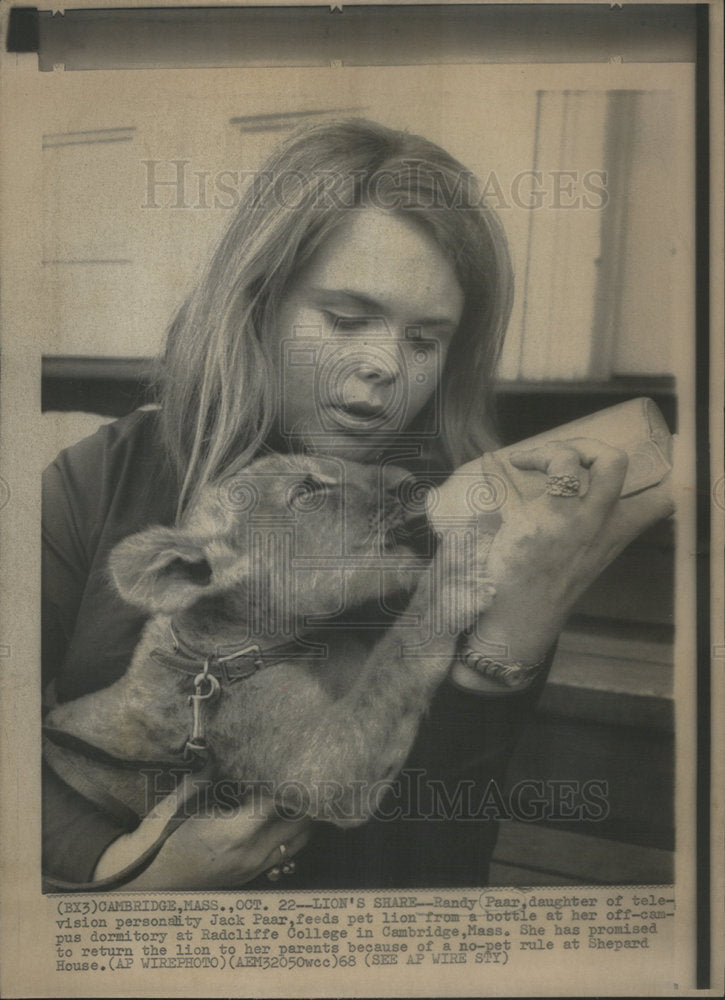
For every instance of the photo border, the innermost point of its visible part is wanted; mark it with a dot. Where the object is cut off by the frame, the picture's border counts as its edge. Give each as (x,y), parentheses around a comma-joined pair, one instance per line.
(708,306)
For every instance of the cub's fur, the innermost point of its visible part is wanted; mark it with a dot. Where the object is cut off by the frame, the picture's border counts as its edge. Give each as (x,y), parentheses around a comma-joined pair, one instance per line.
(290,547)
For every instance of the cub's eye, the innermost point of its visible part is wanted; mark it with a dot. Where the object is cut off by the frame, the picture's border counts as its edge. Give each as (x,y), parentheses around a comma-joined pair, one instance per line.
(307,495)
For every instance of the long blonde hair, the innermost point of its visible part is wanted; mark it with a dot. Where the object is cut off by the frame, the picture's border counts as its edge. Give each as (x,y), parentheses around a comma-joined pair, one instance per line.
(217,381)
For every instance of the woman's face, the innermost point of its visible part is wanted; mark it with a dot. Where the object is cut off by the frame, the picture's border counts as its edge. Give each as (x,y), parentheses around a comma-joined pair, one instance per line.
(363,333)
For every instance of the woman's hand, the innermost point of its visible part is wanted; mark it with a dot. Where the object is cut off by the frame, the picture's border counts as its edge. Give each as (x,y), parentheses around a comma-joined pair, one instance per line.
(221,850)
(548,550)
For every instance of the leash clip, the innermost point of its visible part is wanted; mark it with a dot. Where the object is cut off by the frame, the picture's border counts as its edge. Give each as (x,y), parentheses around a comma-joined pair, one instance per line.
(206,689)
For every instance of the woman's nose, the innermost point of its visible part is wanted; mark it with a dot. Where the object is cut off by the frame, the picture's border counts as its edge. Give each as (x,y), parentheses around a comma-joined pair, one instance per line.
(380,374)
(377,364)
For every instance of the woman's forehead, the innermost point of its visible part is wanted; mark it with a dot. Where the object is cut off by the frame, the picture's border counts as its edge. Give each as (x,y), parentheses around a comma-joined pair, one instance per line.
(383,259)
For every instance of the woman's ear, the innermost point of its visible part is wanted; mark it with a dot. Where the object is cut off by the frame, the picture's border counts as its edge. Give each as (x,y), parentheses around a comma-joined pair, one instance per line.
(160,570)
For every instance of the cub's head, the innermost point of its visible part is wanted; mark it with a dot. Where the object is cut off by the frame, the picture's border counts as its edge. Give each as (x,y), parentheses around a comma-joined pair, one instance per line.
(289,535)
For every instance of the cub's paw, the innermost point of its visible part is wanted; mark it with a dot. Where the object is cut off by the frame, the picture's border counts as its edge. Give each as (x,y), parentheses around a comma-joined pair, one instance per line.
(464,587)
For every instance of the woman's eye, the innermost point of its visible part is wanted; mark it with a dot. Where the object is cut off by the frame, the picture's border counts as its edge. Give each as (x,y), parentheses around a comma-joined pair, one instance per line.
(350,324)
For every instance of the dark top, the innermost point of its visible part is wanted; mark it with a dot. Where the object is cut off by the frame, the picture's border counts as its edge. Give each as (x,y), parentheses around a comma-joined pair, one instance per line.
(437,828)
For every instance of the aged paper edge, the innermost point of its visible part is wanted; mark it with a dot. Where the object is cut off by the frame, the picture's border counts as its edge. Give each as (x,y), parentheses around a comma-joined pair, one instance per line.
(20,408)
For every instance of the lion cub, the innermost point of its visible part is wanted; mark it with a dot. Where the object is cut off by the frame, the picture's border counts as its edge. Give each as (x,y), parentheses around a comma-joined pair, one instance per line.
(283,557)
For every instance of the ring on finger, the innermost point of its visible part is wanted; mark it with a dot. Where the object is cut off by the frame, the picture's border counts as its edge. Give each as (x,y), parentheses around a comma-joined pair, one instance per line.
(285,867)
(288,866)
(276,873)
(563,485)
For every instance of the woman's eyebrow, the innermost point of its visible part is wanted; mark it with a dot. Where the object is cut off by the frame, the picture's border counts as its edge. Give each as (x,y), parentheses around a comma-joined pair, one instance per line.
(350,299)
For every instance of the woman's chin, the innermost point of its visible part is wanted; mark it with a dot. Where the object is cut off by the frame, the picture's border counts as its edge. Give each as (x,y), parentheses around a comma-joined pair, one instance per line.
(356,447)
(354,444)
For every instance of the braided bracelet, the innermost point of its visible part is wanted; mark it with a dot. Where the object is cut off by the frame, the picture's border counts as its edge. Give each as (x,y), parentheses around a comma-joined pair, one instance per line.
(512,674)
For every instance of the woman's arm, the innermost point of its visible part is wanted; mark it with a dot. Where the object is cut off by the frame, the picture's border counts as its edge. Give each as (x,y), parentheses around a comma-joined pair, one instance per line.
(85,492)
(75,833)
(546,552)
(211,851)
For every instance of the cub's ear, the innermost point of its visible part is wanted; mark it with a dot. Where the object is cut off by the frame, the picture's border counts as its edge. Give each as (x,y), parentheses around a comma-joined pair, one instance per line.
(161,569)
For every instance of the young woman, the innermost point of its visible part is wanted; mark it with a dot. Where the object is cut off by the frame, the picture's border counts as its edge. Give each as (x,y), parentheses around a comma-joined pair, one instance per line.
(355,307)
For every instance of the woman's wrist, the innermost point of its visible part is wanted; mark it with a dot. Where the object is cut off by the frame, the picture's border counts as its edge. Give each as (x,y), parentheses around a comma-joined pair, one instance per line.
(494,658)
(166,871)
(516,629)
(130,846)
(512,674)
(122,851)
(492,675)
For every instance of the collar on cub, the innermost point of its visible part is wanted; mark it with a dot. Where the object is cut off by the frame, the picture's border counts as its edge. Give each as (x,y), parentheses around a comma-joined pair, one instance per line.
(227,664)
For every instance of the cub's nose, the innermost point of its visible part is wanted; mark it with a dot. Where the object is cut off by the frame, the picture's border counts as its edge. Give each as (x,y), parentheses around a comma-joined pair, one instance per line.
(402,517)
(415,534)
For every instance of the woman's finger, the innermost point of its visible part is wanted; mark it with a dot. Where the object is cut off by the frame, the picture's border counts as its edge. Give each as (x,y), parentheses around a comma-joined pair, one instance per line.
(498,484)
(586,458)
(292,845)
(272,829)
(607,468)
(556,458)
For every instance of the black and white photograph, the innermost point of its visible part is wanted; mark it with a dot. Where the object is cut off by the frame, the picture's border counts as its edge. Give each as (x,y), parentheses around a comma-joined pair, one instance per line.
(358,600)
